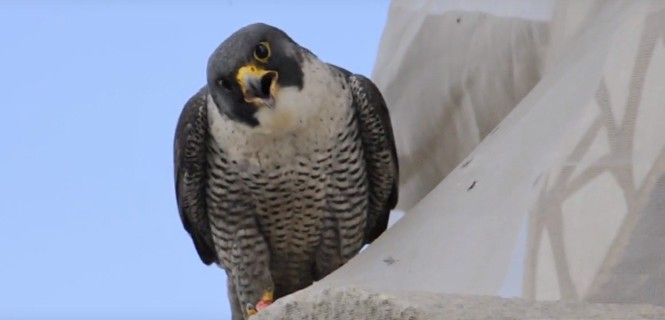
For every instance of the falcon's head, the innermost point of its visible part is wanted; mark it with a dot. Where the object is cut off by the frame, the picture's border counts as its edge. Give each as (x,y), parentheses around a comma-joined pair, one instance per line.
(249,71)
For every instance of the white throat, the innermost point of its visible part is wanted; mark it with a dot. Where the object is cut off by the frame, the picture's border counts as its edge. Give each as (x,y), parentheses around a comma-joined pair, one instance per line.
(295,108)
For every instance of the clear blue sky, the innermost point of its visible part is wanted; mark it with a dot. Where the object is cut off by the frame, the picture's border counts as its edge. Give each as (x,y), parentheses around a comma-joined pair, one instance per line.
(90,97)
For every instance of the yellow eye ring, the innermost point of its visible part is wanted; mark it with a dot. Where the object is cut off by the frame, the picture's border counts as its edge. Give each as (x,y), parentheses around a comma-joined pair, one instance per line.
(262,51)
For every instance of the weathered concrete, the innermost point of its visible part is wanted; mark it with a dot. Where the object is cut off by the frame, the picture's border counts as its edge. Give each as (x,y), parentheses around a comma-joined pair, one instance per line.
(354,303)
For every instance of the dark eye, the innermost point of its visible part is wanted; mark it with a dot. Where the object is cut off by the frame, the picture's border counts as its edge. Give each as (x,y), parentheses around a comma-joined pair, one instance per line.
(223,83)
(262,51)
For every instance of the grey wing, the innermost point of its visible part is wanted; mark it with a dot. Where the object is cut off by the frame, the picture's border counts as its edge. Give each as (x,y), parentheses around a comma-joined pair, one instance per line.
(190,164)
(380,153)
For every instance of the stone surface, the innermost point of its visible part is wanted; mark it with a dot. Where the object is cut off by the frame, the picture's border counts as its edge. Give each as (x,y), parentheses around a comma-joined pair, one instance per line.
(355,303)
(448,79)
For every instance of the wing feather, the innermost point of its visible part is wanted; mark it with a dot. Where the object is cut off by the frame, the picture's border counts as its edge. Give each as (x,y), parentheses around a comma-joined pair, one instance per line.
(380,153)
(190,164)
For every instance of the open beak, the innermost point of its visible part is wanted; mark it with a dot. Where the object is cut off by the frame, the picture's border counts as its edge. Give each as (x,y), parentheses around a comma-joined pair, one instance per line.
(258,85)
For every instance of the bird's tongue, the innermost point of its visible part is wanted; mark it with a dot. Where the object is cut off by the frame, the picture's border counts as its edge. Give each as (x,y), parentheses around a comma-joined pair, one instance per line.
(258,90)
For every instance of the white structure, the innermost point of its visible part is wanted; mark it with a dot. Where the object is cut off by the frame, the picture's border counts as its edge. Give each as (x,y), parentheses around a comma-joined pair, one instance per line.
(551,139)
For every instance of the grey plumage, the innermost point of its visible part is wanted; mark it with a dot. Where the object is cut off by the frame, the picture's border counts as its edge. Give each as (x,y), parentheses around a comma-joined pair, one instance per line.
(281,196)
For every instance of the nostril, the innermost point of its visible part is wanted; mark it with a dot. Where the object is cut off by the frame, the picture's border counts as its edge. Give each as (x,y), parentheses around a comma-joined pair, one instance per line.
(266,82)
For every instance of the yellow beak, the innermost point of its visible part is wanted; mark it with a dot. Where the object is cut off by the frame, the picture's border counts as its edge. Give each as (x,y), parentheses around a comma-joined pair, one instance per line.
(259,86)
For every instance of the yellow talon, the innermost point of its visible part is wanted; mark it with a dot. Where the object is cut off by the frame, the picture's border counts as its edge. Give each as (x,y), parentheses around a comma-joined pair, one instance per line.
(266,300)
(250,310)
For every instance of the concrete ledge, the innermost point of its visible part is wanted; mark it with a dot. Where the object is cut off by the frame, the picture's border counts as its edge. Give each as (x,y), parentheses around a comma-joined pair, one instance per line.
(356,303)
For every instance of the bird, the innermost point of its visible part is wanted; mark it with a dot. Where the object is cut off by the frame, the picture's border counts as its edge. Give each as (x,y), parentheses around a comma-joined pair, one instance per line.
(285,166)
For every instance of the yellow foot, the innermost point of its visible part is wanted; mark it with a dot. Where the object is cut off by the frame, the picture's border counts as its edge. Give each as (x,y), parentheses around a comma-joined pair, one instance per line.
(266,300)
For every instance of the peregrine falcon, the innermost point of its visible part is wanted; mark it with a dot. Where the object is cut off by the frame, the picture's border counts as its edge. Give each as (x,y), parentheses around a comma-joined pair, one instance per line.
(285,166)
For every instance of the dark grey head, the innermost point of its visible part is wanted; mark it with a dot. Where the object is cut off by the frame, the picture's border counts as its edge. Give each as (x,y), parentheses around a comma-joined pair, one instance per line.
(248,69)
